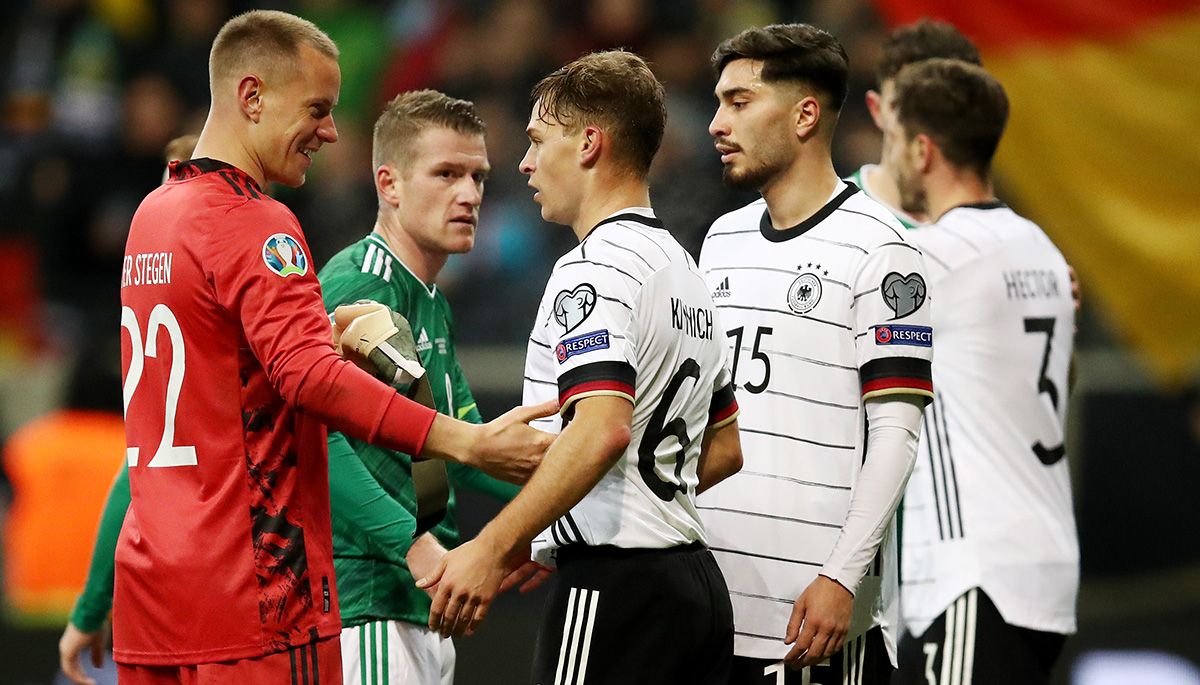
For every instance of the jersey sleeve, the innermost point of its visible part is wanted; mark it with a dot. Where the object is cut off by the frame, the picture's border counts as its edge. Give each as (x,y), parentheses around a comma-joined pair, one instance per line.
(590,328)
(893,328)
(94,603)
(362,510)
(724,407)
(286,328)
(346,285)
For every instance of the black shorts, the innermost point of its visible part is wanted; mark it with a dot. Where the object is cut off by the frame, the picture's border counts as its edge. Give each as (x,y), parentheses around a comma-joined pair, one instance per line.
(861,661)
(978,648)
(632,616)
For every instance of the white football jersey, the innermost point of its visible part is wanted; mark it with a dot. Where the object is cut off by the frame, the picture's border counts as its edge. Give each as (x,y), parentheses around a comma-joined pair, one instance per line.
(626,313)
(819,318)
(989,502)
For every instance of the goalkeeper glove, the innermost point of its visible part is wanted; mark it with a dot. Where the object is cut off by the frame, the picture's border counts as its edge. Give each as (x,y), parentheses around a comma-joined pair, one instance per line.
(380,342)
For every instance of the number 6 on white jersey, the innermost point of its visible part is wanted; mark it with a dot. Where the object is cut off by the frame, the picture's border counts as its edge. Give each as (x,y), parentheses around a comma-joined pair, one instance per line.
(167,453)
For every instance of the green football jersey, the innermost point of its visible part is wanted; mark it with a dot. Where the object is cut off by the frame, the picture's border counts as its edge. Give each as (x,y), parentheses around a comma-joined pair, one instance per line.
(371,487)
(859,178)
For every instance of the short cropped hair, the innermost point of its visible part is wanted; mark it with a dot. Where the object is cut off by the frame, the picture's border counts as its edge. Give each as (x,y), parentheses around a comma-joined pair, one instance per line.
(263,39)
(615,90)
(922,40)
(180,148)
(959,105)
(411,113)
(800,53)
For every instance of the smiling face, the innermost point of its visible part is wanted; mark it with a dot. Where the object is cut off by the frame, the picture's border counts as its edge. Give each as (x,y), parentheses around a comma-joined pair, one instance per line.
(551,163)
(751,126)
(440,189)
(297,115)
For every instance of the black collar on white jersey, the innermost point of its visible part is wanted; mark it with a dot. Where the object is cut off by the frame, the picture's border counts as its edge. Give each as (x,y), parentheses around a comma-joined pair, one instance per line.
(778,236)
(987,204)
(651,221)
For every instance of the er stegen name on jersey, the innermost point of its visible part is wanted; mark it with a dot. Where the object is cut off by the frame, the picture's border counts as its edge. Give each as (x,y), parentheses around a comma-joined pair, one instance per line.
(989,501)
(626,313)
(819,318)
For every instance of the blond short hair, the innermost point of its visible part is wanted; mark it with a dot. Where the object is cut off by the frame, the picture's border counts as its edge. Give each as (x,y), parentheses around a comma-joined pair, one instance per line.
(262,40)
(411,113)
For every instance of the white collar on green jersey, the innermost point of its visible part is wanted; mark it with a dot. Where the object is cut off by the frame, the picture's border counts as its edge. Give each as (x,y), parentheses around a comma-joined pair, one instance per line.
(430,288)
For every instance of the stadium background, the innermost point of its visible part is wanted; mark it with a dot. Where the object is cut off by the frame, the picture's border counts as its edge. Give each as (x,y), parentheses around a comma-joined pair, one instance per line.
(1100,150)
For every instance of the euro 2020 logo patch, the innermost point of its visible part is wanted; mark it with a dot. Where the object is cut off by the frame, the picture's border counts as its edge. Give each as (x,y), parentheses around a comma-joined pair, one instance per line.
(804,293)
(571,307)
(284,256)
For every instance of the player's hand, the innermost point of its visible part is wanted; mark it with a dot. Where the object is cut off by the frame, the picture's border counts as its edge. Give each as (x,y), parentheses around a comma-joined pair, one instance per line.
(424,555)
(819,623)
(531,573)
(464,584)
(71,644)
(379,341)
(508,448)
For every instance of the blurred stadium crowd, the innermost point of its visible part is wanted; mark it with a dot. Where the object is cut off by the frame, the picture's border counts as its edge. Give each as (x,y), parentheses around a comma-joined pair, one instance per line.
(94,90)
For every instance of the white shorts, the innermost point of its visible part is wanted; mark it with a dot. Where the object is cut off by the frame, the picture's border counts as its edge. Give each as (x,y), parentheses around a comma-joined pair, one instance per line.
(395,653)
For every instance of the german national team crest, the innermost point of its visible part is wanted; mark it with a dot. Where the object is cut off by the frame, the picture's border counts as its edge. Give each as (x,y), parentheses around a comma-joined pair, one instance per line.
(903,294)
(283,255)
(805,293)
(571,307)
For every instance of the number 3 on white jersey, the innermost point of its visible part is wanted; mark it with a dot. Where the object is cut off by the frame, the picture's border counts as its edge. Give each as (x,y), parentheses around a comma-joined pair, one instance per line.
(168,453)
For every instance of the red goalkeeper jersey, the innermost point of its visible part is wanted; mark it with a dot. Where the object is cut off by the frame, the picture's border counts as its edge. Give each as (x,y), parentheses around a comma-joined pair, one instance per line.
(230,376)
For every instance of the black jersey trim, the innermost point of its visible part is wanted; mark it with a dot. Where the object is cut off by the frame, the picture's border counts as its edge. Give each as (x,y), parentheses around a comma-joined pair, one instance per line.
(893,367)
(782,235)
(651,221)
(986,204)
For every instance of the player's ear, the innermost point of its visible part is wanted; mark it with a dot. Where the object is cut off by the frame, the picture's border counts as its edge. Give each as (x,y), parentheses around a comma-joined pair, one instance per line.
(249,94)
(874,106)
(806,116)
(387,185)
(924,150)
(591,142)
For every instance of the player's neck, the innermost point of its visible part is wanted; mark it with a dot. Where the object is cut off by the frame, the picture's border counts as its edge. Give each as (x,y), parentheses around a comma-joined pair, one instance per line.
(214,144)
(882,187)
(953,187)
(606,196)
(800,191)
(423,263)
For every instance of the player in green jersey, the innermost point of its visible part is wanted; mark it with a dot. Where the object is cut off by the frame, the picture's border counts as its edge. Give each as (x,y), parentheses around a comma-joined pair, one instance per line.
(915,42)
(430,164)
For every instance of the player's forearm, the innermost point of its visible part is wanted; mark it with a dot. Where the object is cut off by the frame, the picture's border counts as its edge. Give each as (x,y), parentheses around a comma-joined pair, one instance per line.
(94,602)
(471,478)
(894,426)
(348,399)
(720,456)
(362,510)
(574,464)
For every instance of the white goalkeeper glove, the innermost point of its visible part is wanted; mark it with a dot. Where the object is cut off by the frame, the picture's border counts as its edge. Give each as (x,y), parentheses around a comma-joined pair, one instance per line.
(380,342)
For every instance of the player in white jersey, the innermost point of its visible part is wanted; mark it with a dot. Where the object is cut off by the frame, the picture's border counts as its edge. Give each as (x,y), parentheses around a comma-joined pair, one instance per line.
(991,560)
(921,40)
(826,309)
(628,340)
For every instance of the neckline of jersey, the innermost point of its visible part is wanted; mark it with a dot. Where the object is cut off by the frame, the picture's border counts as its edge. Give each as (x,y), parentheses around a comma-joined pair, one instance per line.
(430,288)
(191,168)
(629,214)
(986,204)
(782,235)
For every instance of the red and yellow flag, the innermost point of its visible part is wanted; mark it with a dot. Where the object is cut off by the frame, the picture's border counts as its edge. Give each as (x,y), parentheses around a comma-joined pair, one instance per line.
(1103,149)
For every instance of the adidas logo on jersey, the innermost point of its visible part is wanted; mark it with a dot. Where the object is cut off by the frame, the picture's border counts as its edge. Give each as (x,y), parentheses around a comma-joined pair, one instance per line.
(423,343)
(722,289)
